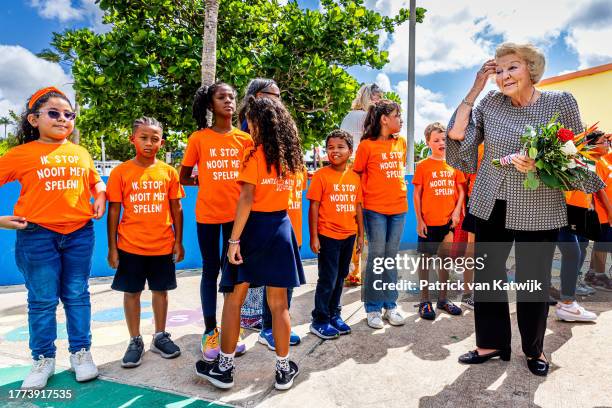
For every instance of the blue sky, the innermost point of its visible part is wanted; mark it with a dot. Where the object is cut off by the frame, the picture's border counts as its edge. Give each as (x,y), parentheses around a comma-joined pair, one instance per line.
(456,37)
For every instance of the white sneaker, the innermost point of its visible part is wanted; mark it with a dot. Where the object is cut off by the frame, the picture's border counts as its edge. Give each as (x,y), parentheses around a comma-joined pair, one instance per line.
(394,317)
(83,366)
(42,369)
(573,312)
(375,320)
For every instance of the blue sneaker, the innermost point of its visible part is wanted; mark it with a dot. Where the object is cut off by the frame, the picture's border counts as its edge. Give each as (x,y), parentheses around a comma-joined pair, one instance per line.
(324,331)
(266,338)
(340,325)
(294,339)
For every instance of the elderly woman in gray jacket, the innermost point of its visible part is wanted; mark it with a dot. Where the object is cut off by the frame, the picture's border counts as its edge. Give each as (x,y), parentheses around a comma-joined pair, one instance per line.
(505,211)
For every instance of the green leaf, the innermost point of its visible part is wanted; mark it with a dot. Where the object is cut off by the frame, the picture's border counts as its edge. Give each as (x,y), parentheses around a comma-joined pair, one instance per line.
(533,152)
(100,81)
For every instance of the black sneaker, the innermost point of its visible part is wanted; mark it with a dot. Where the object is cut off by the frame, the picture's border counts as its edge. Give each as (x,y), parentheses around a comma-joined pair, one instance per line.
(212,373)
(134,353)
(165,347)
(284,379)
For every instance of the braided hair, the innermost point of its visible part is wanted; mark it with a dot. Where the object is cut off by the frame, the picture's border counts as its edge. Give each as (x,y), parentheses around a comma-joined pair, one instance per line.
(203,102)
(146,121)
(371,125)
(276,131)
(26,132)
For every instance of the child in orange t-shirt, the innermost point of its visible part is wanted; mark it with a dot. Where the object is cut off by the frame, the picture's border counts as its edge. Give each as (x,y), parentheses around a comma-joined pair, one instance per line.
(54,245)
(148,242)
(217,150)
(262,246)
(596,276)
(438,201)
(335,221)
(380,161)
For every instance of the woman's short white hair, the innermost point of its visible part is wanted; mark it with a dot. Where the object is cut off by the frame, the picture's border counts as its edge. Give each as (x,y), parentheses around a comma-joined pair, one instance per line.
(535,59)
(363,100)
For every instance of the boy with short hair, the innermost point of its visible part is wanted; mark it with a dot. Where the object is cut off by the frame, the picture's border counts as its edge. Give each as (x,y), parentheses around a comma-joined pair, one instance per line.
(148,242)
(335,221)
(438,201)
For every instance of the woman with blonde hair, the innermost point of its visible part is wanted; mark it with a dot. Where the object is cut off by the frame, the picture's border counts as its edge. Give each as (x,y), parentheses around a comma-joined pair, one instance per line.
(507,213)
(367,96)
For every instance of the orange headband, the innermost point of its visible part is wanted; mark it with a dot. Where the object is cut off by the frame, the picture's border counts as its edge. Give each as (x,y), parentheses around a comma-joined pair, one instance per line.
(42,92)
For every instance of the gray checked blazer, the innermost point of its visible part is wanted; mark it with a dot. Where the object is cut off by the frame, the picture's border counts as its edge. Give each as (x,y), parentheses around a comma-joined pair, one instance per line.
(499,124)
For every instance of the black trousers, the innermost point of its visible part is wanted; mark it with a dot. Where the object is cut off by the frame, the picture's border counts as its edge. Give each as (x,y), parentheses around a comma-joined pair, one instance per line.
(534,252)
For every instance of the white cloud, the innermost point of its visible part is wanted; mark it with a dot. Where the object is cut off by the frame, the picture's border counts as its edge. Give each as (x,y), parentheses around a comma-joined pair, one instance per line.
(60,9)
(594,45)
(64,11)
(383,81)
(430,107)
(460,34)
(22,73)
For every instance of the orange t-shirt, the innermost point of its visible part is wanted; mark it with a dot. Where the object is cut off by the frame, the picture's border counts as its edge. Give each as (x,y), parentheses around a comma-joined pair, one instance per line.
(381,164)
(271,191)
(295,204)
(56,183)
(603,168)
(471,178)
(440,194)
(578,198)
(218,157)
(338,194)
(145,193)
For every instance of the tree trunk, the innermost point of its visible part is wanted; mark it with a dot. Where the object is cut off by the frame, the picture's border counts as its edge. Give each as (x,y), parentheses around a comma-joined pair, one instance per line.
(209,39)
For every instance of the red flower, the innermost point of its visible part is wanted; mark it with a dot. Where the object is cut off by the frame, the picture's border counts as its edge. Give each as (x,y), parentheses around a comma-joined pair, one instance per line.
(565,135)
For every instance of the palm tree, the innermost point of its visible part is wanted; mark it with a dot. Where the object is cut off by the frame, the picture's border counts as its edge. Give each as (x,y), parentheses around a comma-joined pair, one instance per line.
(209,42)
(5,121)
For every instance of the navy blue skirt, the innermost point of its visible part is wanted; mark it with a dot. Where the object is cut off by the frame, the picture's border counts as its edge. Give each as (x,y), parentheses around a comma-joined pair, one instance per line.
(270,254)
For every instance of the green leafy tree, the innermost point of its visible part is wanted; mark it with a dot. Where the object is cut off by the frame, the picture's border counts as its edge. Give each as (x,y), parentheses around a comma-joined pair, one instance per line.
(150,62)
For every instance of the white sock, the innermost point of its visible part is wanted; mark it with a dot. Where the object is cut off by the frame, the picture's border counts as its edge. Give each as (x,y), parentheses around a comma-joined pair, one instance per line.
(282,363)
(226,361)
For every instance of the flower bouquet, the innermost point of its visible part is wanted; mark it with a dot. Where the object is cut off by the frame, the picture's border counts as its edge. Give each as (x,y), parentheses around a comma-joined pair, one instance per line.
(561,157)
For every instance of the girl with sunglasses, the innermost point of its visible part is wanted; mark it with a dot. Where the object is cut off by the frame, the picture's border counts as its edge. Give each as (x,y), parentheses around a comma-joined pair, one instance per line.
(54,247)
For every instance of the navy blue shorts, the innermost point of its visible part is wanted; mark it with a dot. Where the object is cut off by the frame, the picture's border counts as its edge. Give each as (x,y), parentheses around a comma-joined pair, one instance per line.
(134,270)
(435,236)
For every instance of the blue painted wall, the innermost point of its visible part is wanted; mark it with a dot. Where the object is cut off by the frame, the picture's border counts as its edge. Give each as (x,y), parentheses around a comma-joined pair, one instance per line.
(10,275)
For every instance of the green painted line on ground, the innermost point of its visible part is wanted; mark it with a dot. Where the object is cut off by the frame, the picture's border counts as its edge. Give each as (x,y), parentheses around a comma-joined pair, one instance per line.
(97,393)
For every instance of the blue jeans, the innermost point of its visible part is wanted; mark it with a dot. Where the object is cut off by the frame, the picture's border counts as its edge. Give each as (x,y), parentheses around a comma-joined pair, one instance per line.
(56,266)
(384,234)
(334,262)
(209,236)
(573,252)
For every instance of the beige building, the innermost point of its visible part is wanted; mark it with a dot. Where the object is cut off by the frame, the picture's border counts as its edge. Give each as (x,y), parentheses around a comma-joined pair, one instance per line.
(592,88)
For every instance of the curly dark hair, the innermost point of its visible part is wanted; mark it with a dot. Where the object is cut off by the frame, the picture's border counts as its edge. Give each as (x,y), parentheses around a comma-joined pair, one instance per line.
(371,125)
(26,132)
(340,134)
(203,100)
(276,131)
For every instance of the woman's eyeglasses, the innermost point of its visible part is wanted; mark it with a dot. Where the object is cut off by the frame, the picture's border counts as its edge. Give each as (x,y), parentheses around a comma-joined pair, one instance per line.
(277,95)
(54,114)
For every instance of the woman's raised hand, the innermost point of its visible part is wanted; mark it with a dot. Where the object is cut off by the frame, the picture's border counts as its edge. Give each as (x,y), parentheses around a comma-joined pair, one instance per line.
(488,68)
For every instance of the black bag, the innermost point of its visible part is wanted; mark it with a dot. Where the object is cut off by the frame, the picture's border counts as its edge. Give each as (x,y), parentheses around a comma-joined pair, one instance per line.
(584,222)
